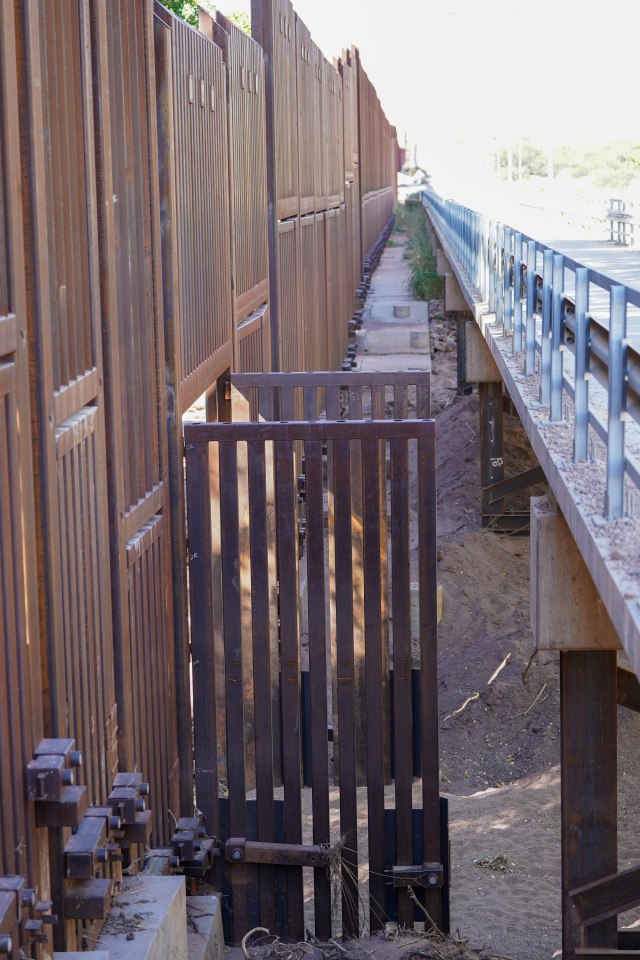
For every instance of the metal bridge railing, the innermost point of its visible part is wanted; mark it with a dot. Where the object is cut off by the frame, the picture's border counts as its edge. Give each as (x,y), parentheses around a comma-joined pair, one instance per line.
(552,306)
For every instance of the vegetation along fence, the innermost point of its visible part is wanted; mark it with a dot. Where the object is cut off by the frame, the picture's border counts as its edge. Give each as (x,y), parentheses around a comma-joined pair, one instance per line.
(175,204)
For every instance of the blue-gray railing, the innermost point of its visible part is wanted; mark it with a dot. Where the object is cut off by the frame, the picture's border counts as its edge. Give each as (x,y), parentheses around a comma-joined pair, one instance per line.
(524,283)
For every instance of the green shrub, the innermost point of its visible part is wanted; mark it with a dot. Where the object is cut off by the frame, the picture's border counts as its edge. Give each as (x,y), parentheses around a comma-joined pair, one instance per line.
(424,283)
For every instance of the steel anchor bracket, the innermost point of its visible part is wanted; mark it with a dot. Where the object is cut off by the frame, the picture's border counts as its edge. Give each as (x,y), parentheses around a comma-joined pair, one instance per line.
(128,802)
(19,906)
(92,844)
(193,851)
(51,783)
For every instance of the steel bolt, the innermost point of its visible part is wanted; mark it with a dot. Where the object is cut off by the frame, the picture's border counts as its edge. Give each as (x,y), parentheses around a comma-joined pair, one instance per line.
(28,899)
(6,945)
(67,778)
(432,879)
(75,758)
(236,855)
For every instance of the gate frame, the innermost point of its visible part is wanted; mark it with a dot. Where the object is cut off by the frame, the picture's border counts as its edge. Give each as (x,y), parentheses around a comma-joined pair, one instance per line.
(198,438)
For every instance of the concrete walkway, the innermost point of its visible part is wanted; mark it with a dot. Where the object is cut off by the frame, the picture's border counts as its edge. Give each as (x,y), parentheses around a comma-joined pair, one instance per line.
(387,341)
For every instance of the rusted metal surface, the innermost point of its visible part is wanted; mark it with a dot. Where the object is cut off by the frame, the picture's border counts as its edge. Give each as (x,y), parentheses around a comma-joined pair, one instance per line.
(138,445)
(322,120)
(67,393)
(377,156)
(138,269)
(246,93)
(194,152)
(23,847)
(589,802)
(328,559)
(64,335)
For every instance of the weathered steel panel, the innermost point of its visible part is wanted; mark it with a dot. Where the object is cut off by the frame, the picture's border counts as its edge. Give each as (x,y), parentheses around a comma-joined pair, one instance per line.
(87,641)
(314,354)
(253,351)
(137,396)
(291,330)
(65,339)
(307,117)
(151,691)
(192,110)
(247,169)
(23,849)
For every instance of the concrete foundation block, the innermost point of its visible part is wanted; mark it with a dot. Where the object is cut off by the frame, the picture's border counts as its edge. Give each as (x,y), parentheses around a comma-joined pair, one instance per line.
(567,612)
(95,955)
(443,267)
(480,367)
(402,311)
(205,936)
(148,920)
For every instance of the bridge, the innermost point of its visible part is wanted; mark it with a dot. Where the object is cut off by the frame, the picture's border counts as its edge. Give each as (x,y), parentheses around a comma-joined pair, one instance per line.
(200,623)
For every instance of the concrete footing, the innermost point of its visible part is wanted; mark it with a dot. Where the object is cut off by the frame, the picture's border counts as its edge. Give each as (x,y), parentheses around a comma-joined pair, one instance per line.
(205,936)
(148,920)
(95,955)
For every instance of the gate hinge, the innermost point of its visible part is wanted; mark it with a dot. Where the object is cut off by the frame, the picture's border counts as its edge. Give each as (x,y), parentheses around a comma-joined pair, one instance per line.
(239,850)
(428,875)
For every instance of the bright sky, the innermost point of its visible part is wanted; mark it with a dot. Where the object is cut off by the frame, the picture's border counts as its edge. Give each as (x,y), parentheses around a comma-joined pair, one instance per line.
(475,70)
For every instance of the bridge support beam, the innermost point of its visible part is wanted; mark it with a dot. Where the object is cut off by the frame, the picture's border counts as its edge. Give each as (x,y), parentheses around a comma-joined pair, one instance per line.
(567,615)
(588,715)
(491,447)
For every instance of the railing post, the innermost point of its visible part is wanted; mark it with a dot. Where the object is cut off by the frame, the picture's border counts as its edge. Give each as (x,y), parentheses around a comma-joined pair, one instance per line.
(614,503)
(545,365)
(530,322)
(492,254)
(507,316)
(499,273)
(583,342)
(517,293)
(557,337)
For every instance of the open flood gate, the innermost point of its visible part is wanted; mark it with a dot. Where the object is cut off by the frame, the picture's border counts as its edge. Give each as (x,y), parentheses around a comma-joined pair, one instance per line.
(367,568)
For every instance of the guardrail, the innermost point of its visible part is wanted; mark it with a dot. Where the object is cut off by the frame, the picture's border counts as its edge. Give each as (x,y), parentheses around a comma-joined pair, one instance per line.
(527,285)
